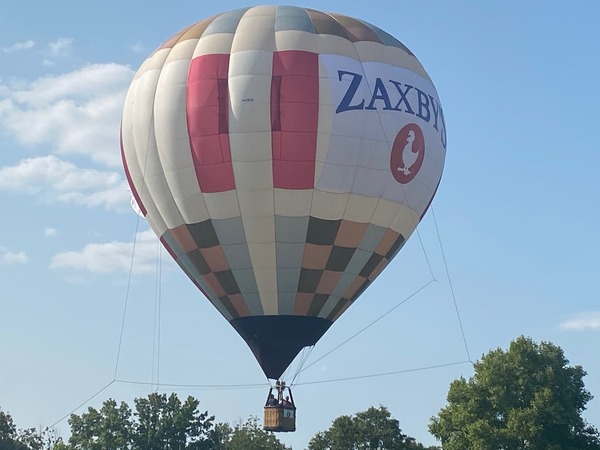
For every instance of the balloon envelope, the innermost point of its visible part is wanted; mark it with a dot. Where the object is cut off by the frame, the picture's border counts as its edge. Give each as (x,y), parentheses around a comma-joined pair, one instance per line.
(283,156)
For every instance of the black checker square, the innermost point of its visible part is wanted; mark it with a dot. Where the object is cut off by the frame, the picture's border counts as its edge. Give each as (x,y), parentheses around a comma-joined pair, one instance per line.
(341,303)
(204,234)
(322,231)
(198,262)
(317,305)
(339,258)
(228,306)
(396,246)
(309,280)
(370,265)
(227,282)
(361,289)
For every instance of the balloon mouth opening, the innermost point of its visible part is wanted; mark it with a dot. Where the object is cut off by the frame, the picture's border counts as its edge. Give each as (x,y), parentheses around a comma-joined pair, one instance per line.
(276,340)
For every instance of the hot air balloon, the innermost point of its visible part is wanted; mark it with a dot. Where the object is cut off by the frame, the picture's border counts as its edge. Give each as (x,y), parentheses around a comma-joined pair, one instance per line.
(283,156)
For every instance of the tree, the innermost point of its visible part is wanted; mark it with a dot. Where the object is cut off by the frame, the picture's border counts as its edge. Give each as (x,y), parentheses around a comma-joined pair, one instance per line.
(525,398)
(159,422)
(249,436)
(12,438)
(166,423)
(107,429)
(369,430)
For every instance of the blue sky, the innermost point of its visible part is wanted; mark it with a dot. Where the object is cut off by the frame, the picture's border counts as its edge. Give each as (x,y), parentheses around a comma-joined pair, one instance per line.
(515,212)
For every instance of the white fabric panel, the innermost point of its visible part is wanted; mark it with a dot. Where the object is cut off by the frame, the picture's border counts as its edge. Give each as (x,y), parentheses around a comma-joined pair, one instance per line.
(222,205)
(155,221)
(360,208)
(142,109)
(172,135)
(147,153)
(250,147)
(154,61)
(292,202)
(256,204)
(326,113)
(255,30)
(262,256)
(376,130)
(214,44)
(250,102)
(327,205)
(318,166)
(405,222)
(253,176)
(336,45)
(133,166)
(187,195)
(376,52)
(385,212)
(250,114)
(296,40)
(261,231)
(251,62)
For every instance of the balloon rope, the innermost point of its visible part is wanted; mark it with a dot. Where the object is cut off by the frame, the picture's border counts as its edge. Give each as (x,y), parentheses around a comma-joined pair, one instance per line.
(197,386)
(370,324)
(128,289)
(306,352)
(82,404)
(157,310)
(396,372)
(133,249)
(462,330)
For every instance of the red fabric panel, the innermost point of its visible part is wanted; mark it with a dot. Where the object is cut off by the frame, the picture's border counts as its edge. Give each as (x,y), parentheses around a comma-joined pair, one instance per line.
(208,122)
(294,118)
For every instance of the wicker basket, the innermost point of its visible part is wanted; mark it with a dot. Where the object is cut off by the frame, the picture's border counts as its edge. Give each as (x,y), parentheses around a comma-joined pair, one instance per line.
(278,418)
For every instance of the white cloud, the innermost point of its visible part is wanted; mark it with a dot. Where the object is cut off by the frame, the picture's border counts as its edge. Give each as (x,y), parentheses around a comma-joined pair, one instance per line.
(25,45)
(60,47)
(112,256)
(582,322)
(139,48)
(50,232)
(74,113)
(56,180)
(10,258)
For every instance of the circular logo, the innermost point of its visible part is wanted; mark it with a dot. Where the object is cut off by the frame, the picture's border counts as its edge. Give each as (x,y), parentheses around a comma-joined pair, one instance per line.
(408,153)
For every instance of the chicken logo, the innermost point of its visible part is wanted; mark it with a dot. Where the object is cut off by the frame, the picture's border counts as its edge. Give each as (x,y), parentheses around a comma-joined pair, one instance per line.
(408,153)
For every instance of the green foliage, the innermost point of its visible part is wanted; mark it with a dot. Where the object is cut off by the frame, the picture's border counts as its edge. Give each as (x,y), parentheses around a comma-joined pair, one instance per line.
(159,422)
(109,429)
(12,438)
(166,423)
(525,398)
(249,436)
(371,429)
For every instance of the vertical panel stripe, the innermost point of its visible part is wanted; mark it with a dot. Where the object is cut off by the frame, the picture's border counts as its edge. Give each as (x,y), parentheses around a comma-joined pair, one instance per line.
(134,191)
(294,118)
(208,122)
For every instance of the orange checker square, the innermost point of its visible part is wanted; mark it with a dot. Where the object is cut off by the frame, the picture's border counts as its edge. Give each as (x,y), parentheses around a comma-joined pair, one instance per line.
(384,246)
(302,304)
(184,239)
(238,302)
(350,233)
(328,281)
(213,283)
(215,258)
(316,256)
(354,287)
(195,31)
